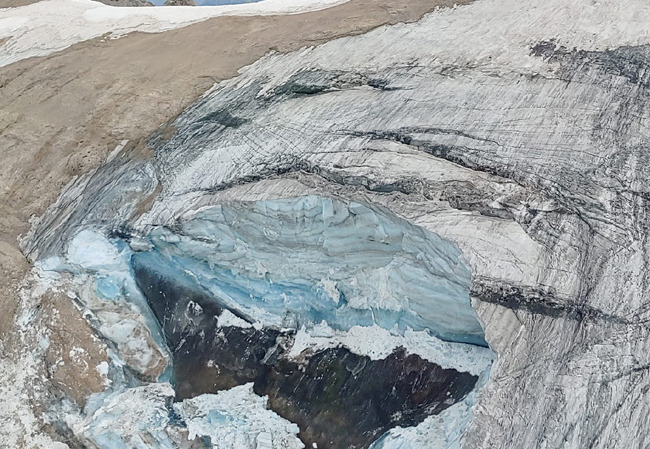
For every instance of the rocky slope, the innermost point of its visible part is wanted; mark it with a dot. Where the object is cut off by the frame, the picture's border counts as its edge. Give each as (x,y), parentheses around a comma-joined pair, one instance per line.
(511,135)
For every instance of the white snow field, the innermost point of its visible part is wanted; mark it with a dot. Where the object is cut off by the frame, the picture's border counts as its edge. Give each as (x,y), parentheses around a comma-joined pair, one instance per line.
(49,26)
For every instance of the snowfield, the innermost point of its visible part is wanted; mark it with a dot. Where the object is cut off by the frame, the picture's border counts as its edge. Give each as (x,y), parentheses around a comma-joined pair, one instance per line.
(49,26)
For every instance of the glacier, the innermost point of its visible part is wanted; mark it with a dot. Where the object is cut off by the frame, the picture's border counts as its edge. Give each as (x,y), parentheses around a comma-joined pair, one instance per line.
(320,272)
(520,140)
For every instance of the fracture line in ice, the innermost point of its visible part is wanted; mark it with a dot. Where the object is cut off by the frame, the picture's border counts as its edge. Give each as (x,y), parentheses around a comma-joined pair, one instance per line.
(378,343)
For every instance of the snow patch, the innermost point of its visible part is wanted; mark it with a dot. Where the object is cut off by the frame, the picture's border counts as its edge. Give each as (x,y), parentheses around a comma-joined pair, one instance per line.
(227,318)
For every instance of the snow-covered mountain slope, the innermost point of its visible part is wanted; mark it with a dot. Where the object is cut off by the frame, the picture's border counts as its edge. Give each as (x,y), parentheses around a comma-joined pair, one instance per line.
(52,25)
(512,134)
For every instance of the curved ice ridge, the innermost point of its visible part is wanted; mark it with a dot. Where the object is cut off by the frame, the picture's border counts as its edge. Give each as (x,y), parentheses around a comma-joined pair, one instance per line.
(300,261)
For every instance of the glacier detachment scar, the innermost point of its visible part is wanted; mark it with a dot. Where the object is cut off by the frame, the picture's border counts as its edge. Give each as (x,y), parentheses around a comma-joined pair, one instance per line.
(349,320)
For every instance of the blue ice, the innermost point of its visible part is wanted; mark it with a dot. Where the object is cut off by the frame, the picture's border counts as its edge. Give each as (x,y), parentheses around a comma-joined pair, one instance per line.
(299,261)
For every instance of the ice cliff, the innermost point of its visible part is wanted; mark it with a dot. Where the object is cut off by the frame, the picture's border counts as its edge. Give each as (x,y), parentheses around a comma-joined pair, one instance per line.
(297,262)
(495,151)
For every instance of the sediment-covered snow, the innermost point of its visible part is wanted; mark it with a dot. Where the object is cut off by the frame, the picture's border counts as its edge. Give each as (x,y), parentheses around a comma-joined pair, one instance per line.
(17,415)
(51,25)
(22,381)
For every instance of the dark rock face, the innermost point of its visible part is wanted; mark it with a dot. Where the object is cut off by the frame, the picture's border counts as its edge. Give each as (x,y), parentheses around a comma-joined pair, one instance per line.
(343,400)
(338,399)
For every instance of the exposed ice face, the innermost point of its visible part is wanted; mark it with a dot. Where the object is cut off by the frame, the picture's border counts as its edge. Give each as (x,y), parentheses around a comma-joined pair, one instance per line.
(295,263)
(300,261)
(344,272)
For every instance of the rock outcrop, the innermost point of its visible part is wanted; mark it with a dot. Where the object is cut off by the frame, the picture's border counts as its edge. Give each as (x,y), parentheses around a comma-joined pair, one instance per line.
(180,3)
